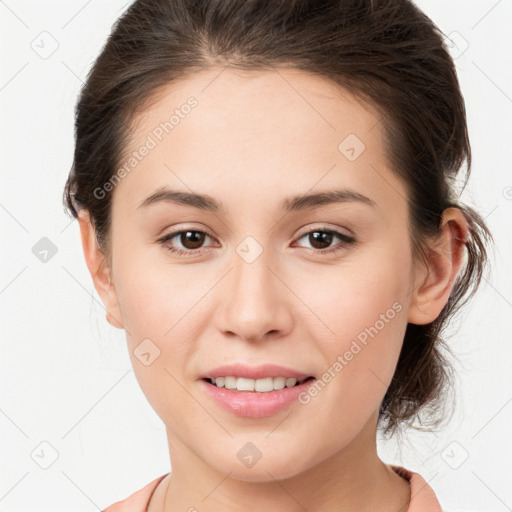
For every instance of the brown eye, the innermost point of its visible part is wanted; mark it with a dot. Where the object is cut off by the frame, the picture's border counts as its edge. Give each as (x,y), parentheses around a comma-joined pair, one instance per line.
(321,240)
(190,240)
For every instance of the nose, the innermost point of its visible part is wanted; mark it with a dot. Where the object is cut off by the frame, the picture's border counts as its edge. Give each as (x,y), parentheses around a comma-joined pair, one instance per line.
(255,303)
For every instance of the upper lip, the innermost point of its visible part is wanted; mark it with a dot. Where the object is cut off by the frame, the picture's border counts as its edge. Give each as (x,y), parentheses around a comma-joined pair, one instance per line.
(253,372)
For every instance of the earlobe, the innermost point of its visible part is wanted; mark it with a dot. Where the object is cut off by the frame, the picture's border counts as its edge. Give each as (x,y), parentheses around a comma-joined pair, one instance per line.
(444,261)
(99,270)
(113,321)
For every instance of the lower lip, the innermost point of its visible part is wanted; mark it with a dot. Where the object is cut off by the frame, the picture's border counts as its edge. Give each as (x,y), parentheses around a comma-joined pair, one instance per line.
(255,404)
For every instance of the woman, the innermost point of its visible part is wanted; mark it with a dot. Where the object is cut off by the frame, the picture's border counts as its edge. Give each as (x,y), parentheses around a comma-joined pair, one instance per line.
(310,148)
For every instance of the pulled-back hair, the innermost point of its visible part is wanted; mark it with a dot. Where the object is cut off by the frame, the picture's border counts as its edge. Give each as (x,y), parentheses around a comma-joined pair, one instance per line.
(387,53)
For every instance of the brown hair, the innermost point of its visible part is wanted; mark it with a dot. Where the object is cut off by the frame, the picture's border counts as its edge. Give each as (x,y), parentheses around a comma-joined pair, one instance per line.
(387,53)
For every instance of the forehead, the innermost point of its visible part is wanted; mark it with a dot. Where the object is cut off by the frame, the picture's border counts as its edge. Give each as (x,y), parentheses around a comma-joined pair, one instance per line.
(284,130)
(291,98)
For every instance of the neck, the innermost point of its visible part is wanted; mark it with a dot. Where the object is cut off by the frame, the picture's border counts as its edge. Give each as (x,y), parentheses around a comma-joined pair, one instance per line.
(352,479)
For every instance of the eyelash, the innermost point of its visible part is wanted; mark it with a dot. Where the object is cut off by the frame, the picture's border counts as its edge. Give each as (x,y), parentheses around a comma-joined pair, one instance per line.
(346,241)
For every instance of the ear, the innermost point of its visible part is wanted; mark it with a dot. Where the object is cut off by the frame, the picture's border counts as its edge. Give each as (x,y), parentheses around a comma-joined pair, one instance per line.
(434,284)
(99,269)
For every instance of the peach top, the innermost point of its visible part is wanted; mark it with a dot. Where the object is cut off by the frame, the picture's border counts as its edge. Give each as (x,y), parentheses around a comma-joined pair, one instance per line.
(423,498)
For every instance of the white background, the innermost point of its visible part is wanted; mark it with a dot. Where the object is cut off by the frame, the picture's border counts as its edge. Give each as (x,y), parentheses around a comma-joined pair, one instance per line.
(66,376)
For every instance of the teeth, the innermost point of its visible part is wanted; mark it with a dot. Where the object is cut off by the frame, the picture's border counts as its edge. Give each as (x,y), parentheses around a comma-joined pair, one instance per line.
(260,385)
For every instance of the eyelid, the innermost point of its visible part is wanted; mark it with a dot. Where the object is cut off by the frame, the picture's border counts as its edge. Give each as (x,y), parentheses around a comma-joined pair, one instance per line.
(179,229)
(346,239)
(325,227)
(320,227)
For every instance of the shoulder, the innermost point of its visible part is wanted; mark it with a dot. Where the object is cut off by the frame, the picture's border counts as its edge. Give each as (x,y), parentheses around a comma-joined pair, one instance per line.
(138,501)
(423,497)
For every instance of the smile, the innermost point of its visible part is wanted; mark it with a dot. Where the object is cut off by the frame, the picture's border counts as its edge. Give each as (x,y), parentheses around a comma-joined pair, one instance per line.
(252,403)
(264,385)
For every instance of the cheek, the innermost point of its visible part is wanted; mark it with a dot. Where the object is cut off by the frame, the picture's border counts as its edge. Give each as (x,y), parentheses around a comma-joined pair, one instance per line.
(155,297)
(350,299)
(362,308)
(158,307)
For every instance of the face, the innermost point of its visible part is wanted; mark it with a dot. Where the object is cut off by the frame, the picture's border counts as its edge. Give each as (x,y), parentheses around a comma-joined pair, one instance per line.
(321,288)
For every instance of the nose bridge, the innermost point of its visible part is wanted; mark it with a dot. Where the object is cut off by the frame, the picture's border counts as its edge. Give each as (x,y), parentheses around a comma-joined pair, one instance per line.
(254,299)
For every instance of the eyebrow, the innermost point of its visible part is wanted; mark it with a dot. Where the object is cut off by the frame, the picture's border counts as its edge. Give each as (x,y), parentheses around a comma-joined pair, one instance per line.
(290,204)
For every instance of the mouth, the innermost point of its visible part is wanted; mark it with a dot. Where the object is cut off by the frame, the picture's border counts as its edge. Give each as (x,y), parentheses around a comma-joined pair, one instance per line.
(255,398)
(263,385)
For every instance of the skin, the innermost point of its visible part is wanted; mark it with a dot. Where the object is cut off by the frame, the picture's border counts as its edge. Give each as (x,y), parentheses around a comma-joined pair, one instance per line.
(253,140)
